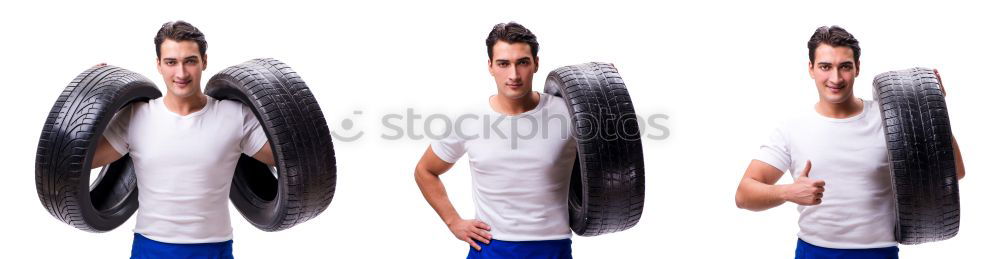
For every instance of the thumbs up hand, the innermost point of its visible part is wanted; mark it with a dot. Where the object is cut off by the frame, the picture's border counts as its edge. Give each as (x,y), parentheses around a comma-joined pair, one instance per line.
(804,191)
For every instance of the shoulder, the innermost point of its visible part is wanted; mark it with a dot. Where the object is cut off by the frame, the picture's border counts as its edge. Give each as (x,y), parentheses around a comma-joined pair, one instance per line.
(228,105)
(225,103)
(550,99)
(871,105)
(552,102)
(873,111)
(139,107)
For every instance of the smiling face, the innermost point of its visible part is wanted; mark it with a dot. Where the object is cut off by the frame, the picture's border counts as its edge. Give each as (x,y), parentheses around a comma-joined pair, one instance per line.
(513,66)
(181,64)
(834,70)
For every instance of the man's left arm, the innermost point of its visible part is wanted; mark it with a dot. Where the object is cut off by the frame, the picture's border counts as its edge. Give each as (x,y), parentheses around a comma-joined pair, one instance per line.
(253,134)
(959,164)
(265,156)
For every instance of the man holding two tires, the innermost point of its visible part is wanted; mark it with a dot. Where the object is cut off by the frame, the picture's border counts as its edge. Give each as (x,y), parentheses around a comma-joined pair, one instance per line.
(839,157)
(185,147)
(520,187)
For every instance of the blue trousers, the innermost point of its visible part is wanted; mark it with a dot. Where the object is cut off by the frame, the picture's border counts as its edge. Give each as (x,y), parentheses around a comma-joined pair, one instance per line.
(809,251)
(145,248)
(546,249)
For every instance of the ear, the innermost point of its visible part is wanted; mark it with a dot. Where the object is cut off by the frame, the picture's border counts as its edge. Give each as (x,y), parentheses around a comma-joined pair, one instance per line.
(489,66)
(159,67)
(857,69)
(536,65)
(811,75)
(204,62)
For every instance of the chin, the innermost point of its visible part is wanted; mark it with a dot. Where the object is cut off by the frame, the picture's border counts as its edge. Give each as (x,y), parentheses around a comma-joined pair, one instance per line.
(517,95)
(837,99)
(180,93)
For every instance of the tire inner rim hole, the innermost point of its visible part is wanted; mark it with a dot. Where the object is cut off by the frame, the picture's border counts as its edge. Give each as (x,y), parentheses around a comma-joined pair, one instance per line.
(259,178)
(95,175)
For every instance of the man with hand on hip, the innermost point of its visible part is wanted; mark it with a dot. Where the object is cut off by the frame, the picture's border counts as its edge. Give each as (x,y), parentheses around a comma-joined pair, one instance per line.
(520,186)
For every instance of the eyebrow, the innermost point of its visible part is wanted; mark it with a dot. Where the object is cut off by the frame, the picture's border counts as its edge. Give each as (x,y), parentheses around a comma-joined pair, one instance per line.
(192,57)
(841,63)
(520,59)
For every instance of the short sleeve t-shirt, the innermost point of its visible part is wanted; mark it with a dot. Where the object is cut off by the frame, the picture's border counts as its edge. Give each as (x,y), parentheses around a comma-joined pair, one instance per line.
(520,166)
(850,155)
(184,165)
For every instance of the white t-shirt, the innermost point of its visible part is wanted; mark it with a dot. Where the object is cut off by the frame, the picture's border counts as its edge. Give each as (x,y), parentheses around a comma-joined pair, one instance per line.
(851,156)
(520,183)
(184,166)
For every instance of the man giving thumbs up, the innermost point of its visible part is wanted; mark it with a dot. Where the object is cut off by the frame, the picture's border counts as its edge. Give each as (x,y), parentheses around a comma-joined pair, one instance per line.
(846,201)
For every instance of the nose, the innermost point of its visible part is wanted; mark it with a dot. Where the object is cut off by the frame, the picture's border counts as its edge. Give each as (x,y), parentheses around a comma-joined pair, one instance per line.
(180,72)
(835,77)
(513,74)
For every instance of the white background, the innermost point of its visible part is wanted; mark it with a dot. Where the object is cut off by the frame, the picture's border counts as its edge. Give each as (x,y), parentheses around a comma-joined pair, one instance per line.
(726,73)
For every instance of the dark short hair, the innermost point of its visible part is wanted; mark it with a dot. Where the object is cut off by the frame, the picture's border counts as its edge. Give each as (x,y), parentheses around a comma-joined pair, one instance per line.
(180,31)
(511,32)
(835,37)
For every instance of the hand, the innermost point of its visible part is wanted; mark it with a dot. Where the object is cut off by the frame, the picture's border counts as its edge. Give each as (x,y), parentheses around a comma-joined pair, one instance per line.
(938,75)
(469,230)
(804,191)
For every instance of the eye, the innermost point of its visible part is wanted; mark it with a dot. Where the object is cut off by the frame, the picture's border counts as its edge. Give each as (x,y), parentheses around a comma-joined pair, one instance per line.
(190,62)
(824,67)
(503,64)
(522,62)
(171,62)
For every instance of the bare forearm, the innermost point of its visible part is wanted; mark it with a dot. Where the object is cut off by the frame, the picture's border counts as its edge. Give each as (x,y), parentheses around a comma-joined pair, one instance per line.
(264,154)
(959,164)
(434,192)
(105,154)
(757,196)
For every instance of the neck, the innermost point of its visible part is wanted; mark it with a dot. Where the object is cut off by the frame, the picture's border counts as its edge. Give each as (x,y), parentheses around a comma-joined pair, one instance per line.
(511,106)
(185,105)
(852,107)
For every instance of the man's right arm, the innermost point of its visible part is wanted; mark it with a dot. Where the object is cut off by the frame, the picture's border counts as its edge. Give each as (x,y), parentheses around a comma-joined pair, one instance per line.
(757,190)
(427,175)
(105,154)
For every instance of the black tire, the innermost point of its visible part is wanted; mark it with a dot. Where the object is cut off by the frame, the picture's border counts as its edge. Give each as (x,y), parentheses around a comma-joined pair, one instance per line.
(302,186)
(918,136)
(607,186)
(66,148)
